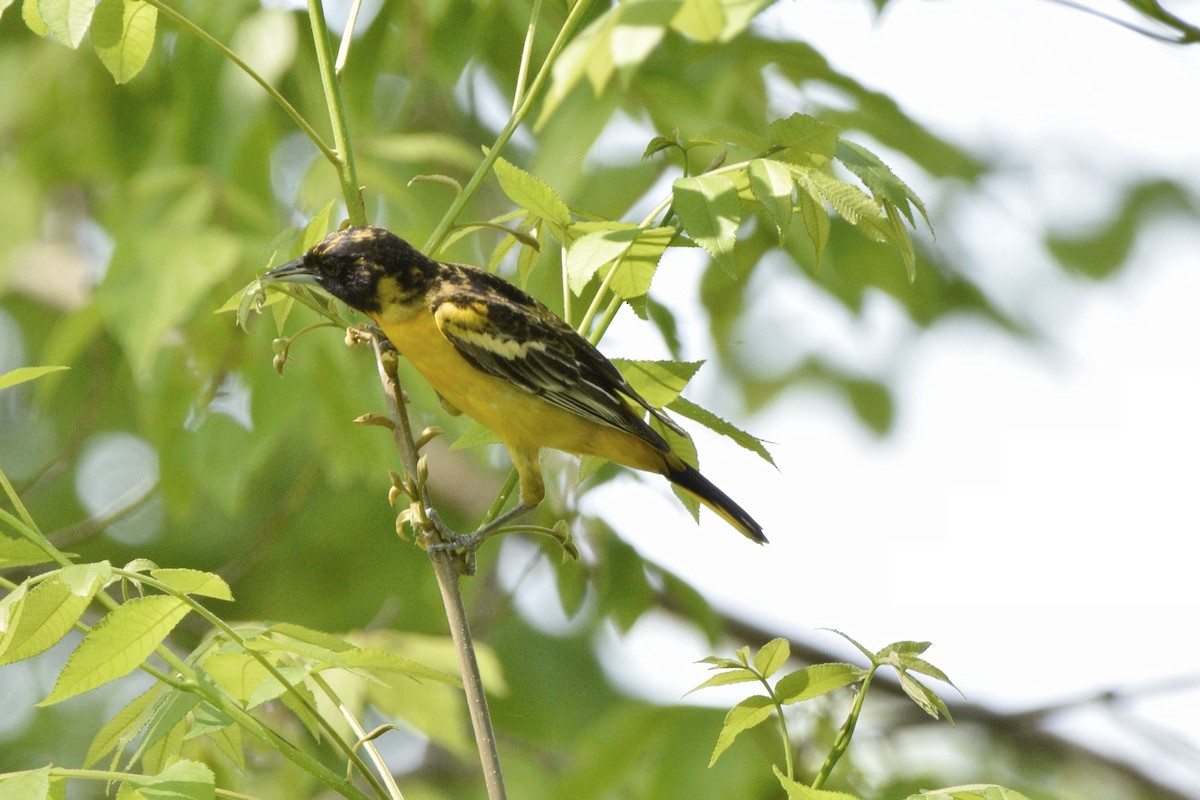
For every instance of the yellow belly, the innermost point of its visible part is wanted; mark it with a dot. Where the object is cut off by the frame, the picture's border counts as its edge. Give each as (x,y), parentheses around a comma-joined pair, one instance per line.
(523,421)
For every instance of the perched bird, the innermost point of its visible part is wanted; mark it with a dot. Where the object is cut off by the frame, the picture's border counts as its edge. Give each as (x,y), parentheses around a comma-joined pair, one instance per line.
(497,354)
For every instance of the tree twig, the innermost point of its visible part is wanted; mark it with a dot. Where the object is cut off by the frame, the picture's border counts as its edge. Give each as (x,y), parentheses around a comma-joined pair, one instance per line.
(447,577)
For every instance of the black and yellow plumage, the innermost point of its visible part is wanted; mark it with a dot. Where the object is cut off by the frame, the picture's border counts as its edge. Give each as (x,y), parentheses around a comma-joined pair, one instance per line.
(497,354)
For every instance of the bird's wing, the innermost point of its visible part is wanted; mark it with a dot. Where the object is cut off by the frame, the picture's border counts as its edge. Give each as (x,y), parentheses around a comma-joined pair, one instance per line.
(504,332)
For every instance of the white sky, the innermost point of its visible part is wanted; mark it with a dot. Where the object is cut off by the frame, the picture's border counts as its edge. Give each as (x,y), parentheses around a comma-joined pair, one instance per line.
(1034,512)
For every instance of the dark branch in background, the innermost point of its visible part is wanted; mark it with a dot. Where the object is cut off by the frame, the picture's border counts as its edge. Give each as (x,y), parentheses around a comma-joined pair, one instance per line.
(1021,729)
(81,531)
(1188,33)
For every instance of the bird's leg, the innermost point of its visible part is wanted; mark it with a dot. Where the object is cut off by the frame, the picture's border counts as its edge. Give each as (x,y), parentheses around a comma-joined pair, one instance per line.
(469,542)
(367,331)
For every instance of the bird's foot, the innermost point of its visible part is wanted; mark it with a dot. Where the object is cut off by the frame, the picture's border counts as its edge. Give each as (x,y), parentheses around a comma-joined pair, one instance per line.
(464,545)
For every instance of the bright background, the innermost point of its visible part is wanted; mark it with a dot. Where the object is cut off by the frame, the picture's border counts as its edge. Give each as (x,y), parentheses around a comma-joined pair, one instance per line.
(1034,512)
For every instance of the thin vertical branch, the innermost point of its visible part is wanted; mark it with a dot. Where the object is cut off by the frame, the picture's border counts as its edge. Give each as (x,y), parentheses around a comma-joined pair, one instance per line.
(438,236)
(347,173)
(447,578)
(526,55)
(347,37)
(842,742)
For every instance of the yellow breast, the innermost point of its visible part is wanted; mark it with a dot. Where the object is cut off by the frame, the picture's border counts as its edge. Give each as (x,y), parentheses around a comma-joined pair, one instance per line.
(523,421)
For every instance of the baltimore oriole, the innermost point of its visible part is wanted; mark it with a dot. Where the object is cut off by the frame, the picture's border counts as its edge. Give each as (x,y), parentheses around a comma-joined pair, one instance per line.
(497,354)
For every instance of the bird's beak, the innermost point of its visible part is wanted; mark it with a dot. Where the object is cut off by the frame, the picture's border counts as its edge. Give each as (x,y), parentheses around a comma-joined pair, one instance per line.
(291,272)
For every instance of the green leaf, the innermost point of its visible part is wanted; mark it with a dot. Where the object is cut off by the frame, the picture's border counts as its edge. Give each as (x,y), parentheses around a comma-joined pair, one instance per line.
(533,194)
(313,232)
(978,791)
(593,250)
(381,661)
(623,590)
(289,690)
(206,721)
(474,435)
(738,674)
(686,408)
(124,726)
(170,710)
(901,239)
(732,137)
(681,444)
(33,18)
(302,634)
(29,546)
(880,180)
(738,14)
(250,298)
(742,717)
(659,382)
(588,53)
(118,644)
(816,218)
(67,20)
(771,656)
(617,41)
(23,374)
(660,143)
(692,606)
(710,211)
(923,696)
(32,784)
(239,674)
(702,20)
(323,650)
(922,666)
(893,652)
(816,680)
(798,791)
(155,283)
(870,656)
(43,615)
(715,20)
(722,662)
(194,581)
(183,780)
(799,138)
(855,205)
(421,149)
(123,35)
(772,184)
(636,270)
(635,250)
(861,211)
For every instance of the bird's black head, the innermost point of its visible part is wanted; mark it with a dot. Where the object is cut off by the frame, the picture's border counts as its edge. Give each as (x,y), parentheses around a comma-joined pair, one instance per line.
(364,267)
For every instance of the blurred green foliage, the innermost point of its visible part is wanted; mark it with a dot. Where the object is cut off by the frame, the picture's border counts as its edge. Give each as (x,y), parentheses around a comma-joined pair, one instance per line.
(129,213)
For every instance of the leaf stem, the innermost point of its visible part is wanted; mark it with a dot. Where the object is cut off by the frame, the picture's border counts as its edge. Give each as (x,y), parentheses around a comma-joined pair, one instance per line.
(343,155)
(442,229)
(363,740)
(261,658)
(257,729)
(347,38)
(526,55)
(783,731)
(842,742)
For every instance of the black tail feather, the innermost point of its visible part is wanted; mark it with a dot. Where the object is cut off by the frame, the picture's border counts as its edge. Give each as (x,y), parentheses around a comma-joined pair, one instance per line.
(690,480)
